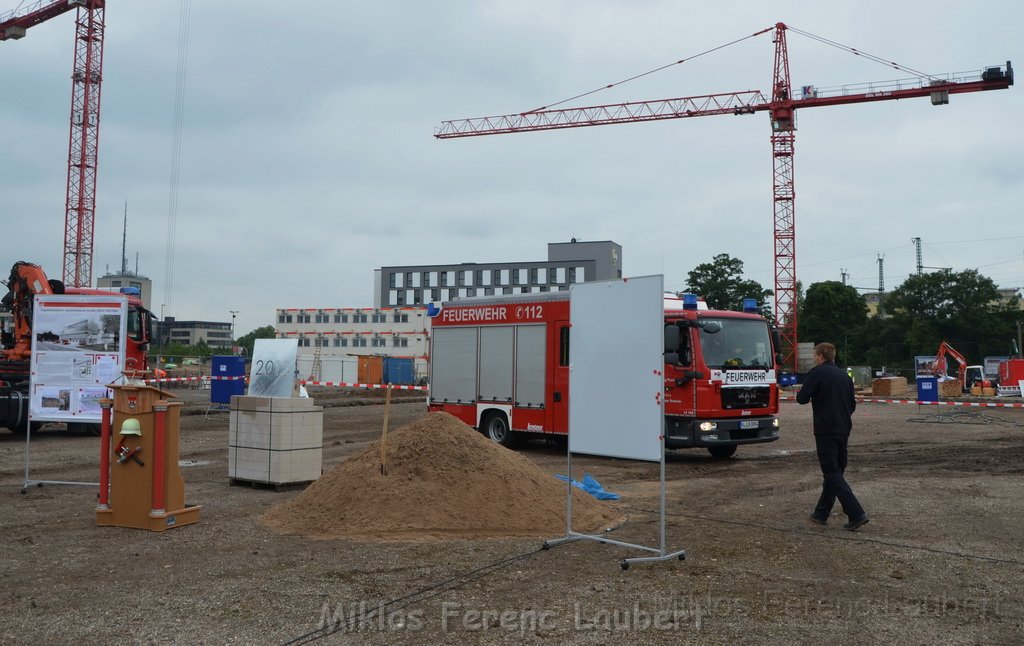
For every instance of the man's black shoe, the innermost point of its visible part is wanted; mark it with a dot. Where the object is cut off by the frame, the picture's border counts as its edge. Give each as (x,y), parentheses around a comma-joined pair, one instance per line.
(818,521)
(856,524)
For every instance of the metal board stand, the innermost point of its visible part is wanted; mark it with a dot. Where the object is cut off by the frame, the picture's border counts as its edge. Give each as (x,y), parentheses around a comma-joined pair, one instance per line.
(602,315)
(661,553)
(28,461)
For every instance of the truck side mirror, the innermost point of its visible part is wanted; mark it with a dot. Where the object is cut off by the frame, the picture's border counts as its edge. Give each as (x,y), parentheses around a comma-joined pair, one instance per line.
(777,342)
(672,339)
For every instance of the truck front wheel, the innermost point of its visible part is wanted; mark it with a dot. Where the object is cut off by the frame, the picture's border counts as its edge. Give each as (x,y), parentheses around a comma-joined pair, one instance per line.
(496,427)
(722,451)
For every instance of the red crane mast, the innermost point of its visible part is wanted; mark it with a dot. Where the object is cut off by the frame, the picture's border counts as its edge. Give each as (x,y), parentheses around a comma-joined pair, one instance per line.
(83,140)
(781,108)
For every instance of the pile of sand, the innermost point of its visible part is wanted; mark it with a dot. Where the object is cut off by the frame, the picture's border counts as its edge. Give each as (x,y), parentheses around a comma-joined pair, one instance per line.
(445,480)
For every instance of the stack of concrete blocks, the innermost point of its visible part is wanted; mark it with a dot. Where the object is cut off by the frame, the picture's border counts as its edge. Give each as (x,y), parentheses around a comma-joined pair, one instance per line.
(889,386)
(275,440)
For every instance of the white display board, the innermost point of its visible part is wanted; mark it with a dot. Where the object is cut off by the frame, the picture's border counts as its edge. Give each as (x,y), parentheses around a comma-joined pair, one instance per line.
(78,347)
(272,372)
(616,363)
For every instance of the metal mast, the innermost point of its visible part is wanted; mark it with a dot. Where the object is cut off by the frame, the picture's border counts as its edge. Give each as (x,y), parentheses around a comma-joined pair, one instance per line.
(783,119)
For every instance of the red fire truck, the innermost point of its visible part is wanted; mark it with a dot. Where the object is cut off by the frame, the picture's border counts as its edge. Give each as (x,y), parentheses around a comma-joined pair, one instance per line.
(501,365)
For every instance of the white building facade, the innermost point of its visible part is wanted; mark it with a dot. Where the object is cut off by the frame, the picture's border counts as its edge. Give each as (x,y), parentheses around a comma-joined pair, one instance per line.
(331,340)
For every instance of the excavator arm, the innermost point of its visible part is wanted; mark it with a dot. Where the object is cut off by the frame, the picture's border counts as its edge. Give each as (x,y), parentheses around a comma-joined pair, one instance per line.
(940,361)
(26,280)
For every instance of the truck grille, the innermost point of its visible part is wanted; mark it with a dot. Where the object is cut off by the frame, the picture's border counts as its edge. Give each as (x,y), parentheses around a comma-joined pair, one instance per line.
(746,397)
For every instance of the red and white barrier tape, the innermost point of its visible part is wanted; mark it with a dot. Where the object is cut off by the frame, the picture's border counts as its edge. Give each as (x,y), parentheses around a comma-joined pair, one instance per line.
(338,384)
(330,384)
(922,403)
(173,379)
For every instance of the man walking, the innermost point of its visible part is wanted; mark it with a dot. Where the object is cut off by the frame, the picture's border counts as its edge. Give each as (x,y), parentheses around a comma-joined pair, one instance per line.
(830,392)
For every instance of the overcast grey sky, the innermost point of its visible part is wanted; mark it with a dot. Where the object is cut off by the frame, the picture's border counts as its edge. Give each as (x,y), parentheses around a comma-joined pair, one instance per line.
(307,155)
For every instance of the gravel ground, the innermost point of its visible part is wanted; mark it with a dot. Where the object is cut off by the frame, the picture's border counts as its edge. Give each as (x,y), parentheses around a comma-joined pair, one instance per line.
(940,561)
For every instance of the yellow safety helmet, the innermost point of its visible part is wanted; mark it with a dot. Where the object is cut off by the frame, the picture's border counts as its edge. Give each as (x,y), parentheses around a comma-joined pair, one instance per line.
(131,426)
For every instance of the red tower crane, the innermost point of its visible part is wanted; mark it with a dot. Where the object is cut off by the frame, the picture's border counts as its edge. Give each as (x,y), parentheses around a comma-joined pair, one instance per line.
(781,108)
(83,141)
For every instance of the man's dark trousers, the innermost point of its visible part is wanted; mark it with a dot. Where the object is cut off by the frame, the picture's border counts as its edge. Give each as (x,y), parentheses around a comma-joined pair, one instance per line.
(832,458)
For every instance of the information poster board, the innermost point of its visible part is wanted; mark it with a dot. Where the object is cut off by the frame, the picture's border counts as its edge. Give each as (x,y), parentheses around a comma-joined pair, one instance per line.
(78,348)
(274,368)
(616,361)
(924,366)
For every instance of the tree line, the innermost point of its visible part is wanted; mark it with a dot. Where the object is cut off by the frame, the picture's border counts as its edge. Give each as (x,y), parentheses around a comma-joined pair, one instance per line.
(962,308)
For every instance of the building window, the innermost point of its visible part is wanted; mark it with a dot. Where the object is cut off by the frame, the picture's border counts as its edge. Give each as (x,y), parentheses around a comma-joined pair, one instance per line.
(379,317)
(400,342)
(378,342)
(302,318)
(400,317)
(392,280)
(462,277)
(359,318)
(303,342)
(323,318)
(359,342)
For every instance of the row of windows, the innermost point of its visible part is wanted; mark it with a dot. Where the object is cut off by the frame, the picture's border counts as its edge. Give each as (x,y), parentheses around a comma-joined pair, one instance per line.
(419,296)
(354,342)
(486,277)
(378,317)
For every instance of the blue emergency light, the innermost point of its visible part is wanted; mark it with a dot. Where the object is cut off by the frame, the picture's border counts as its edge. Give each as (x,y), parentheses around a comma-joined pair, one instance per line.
(689,301)
(131,291)
(750,305)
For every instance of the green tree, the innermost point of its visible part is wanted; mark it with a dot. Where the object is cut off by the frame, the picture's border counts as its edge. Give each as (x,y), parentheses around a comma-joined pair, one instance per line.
(962,308)
(249,340)
(831,311)
(721,284)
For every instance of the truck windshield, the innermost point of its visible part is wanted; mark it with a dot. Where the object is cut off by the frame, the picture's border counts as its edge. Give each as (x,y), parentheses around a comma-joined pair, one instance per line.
(741,343)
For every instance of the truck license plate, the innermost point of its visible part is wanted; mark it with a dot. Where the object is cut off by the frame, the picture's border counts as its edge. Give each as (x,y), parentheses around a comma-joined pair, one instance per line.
(748,423)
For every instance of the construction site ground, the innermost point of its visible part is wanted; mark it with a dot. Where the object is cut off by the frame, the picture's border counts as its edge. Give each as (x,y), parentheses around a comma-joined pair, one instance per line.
(940,562)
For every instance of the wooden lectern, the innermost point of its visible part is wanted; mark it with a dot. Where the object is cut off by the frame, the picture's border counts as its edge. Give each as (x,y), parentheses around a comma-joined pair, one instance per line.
(140,480)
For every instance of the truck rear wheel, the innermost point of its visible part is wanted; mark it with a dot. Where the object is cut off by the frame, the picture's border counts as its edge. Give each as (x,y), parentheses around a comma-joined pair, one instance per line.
(496,426)
(722,451)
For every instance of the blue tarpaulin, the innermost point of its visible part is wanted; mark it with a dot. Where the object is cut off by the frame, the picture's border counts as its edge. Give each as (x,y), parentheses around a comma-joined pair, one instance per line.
(591,486)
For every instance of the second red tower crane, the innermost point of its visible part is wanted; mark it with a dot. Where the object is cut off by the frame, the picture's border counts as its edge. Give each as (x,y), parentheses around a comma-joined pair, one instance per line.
(781,108)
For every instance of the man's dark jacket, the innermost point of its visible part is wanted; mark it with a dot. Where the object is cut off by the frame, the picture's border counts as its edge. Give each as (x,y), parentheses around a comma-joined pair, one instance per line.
(830,391)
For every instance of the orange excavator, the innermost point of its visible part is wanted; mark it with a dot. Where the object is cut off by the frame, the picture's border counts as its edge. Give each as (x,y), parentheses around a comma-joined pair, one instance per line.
(966,375)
